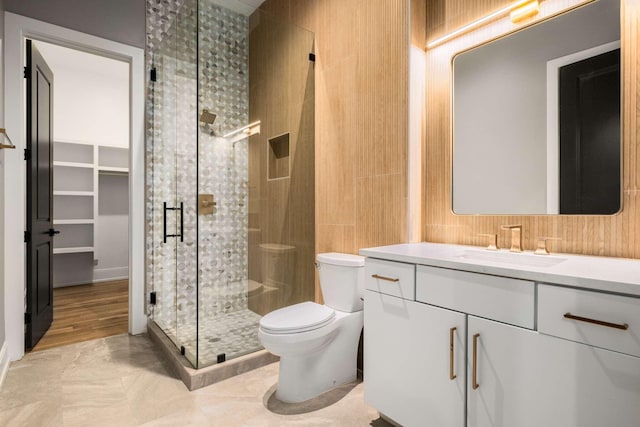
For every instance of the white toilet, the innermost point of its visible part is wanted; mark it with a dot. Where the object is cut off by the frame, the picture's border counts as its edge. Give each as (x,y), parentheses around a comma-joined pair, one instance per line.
(318,344)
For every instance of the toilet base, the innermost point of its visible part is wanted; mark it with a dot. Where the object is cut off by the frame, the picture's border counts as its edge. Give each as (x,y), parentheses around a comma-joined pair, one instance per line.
(303,377)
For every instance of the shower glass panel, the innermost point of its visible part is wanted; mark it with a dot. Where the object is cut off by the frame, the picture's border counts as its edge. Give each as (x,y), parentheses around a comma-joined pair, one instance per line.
(231,189)
(174,192)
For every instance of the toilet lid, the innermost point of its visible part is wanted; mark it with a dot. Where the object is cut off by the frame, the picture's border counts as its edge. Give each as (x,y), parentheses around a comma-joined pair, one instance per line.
(302,317)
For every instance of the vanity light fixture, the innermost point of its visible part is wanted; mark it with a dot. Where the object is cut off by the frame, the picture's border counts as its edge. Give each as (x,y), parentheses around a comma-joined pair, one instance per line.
(519,10)
(525,11)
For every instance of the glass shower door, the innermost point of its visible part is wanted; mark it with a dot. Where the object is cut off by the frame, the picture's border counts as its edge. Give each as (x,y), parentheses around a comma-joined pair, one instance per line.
(174,190)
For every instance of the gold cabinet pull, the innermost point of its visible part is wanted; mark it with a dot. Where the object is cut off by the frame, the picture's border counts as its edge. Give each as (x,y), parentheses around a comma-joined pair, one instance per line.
(622,326)
(388,279)
(452,332)
(474,379)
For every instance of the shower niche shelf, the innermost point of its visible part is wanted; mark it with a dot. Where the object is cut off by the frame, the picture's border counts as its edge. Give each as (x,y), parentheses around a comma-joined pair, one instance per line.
(278,148)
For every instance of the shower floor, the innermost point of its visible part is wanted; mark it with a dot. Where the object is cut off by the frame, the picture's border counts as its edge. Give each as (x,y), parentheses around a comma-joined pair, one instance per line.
(233,334)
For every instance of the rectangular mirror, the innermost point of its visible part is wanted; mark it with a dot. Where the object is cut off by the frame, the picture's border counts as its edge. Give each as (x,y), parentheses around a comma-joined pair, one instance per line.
(536,118)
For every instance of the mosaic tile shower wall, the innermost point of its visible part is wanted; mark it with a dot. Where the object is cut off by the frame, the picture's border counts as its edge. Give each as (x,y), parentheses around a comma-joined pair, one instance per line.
(224,90)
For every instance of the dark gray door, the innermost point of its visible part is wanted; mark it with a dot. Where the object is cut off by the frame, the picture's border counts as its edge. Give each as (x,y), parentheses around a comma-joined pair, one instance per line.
(590,135)
(40,230)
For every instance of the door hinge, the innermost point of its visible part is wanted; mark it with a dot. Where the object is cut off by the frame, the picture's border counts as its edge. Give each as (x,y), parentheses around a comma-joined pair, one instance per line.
(152,298)
(27,318)
(153,75)
(183,351)
(27,154)
(27,72)
(312,57)
(27,236)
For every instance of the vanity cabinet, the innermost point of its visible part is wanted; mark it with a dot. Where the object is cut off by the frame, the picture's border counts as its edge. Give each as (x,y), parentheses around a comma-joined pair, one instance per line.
(414,361)
(528,379)
(510,337)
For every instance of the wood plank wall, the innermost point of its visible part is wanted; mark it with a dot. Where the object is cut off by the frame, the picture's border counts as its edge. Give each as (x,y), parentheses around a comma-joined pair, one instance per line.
(361,119)
(617,235)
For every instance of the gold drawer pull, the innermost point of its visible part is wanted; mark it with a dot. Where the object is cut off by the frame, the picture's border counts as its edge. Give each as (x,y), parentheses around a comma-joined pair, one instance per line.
(452,331)
(623,326)
(475,384)
(388,279)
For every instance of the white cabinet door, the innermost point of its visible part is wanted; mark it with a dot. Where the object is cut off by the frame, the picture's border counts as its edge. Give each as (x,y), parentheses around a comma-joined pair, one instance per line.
(407,361)
(527,379)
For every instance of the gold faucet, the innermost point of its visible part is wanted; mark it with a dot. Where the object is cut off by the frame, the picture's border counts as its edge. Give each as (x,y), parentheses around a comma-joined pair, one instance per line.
(493,241)
(542,245)
(516,236)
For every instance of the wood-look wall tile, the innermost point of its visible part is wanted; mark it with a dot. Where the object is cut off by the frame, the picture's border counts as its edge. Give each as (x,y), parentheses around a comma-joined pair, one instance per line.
(361,118)
(334,149)
(336,238)
(381,210)
(280,8)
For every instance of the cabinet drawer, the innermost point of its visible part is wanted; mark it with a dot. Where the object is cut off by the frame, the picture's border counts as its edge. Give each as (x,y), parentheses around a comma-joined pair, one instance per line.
(498,298)
(391,278)
(610,312)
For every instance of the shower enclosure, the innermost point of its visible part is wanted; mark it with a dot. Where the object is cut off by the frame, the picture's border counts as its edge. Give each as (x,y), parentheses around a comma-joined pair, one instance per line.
(230,178)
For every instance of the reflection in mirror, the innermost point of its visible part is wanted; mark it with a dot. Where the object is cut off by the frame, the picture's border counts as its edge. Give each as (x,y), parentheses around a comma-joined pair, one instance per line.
(536,118)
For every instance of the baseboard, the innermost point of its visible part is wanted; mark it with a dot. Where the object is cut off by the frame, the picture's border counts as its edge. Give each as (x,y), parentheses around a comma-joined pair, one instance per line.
(4,363)
(108,274)
(99,276)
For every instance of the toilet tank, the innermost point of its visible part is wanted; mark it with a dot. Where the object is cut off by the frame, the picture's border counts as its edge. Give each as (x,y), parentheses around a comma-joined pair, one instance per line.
(341,280)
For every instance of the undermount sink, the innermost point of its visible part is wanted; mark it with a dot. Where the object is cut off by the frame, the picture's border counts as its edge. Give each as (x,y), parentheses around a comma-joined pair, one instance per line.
(524,259)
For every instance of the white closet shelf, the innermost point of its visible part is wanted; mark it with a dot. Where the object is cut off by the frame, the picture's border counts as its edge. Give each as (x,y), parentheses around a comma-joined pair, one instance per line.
(73,221)
(77,250)
(74,165)
(75,142)
(112,169)
(73,193)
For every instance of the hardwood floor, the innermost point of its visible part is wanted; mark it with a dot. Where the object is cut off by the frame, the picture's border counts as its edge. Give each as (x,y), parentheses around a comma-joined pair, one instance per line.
(87,312)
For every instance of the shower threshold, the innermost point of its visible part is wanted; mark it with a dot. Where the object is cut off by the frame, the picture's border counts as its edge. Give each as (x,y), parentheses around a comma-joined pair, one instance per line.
(198,378)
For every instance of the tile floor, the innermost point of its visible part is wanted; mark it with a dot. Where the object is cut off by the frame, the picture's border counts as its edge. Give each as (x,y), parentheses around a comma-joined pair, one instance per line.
(122,381)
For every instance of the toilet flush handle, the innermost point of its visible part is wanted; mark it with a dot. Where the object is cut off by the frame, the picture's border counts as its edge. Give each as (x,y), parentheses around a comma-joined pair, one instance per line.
(316,264)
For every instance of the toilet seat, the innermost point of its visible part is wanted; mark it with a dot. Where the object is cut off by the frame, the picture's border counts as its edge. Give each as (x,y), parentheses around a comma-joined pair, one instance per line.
(297,318)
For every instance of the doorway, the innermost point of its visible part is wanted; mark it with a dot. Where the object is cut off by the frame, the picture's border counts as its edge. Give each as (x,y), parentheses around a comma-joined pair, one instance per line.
(12,206)
(88,134)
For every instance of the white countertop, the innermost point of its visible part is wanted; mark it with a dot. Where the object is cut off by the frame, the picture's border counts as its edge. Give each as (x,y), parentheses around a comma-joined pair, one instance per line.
(619,275)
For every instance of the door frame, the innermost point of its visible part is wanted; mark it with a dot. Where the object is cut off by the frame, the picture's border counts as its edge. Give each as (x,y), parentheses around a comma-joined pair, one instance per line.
(13,173)
(553,125)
